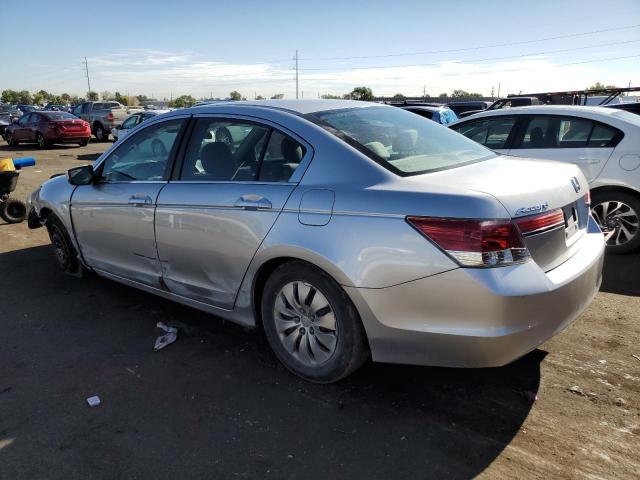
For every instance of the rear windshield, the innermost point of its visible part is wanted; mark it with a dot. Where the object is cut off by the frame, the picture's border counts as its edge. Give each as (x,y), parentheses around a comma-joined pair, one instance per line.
(401,141)
(59,116)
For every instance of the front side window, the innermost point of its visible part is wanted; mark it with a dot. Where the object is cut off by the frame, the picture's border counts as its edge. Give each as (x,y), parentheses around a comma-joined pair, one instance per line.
(221,150)
(492,133)
(144,156)
(401,141)
(24,119)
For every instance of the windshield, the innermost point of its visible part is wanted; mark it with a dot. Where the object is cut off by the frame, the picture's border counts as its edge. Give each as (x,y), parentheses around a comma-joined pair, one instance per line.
(401,141)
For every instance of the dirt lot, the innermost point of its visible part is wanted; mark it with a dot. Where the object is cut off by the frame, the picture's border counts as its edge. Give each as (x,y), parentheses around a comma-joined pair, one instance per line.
(216,404)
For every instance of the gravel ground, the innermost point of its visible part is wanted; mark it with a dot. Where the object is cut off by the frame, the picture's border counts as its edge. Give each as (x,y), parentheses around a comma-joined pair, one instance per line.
(216,404)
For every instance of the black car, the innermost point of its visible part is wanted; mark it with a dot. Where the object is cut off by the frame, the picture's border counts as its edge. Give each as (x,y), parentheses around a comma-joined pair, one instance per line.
(505,103)
(468,105)
(629,107)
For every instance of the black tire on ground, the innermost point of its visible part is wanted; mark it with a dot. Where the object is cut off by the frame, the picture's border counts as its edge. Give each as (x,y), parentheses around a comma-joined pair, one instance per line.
(65,253)
(13,210)
(631,217)
(84,143)
(42,142)
(351,349)
(100,133)
(10,141)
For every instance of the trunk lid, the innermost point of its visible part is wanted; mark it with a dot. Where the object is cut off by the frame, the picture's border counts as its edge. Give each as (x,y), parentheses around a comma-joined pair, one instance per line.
(528,187)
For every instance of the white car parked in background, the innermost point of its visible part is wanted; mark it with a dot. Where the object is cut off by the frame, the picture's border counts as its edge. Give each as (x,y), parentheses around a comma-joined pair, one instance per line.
(603,142)
(132,121)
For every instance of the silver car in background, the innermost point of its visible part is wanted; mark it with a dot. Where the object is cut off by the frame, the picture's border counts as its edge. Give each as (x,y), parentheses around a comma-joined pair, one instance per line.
(346,230)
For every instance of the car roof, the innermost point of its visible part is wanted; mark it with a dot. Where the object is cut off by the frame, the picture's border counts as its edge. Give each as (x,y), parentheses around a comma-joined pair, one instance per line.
(295,106)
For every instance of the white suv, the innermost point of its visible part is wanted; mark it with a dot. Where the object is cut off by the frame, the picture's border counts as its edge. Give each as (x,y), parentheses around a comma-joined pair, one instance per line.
(603,142)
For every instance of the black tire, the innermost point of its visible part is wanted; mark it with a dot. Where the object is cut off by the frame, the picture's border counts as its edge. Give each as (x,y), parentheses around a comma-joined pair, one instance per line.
(41,141)
(623,243)
(351,347)
(10,141)
(84,143)
(100,133)
(65,254)
(13,210)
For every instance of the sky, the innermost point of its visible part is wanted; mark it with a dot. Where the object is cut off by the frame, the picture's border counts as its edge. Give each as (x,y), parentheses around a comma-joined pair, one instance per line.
(209,48)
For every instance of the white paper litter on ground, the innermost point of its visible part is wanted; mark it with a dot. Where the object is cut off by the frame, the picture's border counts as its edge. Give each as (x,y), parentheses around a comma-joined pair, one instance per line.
(93,401)
(166,339)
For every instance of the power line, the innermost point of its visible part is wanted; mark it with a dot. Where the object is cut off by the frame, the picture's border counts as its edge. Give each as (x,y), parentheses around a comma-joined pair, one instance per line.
(465,49)
(475,61)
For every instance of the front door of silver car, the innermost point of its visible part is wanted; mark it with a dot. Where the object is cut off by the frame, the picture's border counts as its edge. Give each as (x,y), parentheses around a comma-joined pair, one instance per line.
(229,188)
(113,218)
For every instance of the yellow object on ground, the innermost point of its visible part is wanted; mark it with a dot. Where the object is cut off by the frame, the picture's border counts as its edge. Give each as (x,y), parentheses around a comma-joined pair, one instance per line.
(6,165)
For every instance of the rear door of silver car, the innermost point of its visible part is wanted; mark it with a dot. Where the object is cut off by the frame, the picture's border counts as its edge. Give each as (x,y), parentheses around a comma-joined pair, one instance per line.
(228,187)
(113,219)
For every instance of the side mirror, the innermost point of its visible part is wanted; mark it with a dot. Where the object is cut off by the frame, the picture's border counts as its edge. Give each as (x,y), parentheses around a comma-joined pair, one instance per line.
(14,119)
(80,175)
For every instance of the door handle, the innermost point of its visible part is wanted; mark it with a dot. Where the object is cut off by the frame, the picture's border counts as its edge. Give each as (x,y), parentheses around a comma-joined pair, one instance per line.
(140,199)
(253,202)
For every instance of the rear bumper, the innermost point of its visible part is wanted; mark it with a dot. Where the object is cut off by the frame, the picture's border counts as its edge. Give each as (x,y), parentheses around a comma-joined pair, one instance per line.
(479,317)
(74,137)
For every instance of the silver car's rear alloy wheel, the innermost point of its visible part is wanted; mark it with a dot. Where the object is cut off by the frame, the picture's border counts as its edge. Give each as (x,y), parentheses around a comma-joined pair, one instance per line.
(305,323)
(618,221)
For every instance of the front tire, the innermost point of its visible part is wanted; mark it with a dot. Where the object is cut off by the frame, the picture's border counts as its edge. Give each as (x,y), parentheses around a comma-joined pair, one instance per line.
(10,141)
(13,210)
(311,324)
(84,143)
(63,249)
(617,214)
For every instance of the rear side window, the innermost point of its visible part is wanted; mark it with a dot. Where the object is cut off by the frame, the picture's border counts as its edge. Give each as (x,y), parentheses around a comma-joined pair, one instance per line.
(281,158)
(223,151)
(568,132)
(492,133)
(422,113)
(238,151)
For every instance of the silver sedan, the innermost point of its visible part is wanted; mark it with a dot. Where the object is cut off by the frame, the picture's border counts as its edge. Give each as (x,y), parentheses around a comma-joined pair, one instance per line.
(345,230)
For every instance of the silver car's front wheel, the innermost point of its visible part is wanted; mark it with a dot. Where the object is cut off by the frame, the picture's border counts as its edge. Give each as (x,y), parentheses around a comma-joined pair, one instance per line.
(305,323)
(617,215)
(311,324)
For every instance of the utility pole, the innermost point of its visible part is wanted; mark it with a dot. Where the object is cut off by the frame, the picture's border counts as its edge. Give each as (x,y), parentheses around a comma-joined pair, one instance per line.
(424,93)
(86,68)
(296,74)
(498,89)
(492,97)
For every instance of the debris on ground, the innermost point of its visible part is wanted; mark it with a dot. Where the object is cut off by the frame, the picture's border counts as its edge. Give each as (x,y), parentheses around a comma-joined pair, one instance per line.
(93,401)
(166,339)
(635,356)
(620,402)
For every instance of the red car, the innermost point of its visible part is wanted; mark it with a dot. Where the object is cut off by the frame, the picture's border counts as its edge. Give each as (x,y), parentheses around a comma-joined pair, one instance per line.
(47,128)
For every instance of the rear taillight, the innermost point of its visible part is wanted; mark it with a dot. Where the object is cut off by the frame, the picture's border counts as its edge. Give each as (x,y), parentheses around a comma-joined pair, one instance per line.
(474,243)
(110,116)
(587,199)
(540,223)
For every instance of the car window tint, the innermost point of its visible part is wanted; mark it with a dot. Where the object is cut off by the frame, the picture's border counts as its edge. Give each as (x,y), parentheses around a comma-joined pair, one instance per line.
(602,136)
(144,155)
(573,132)
(541,132)
(223,151)
(281,158)
(492,133)
(130,122)
(24,119)
(422,113)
